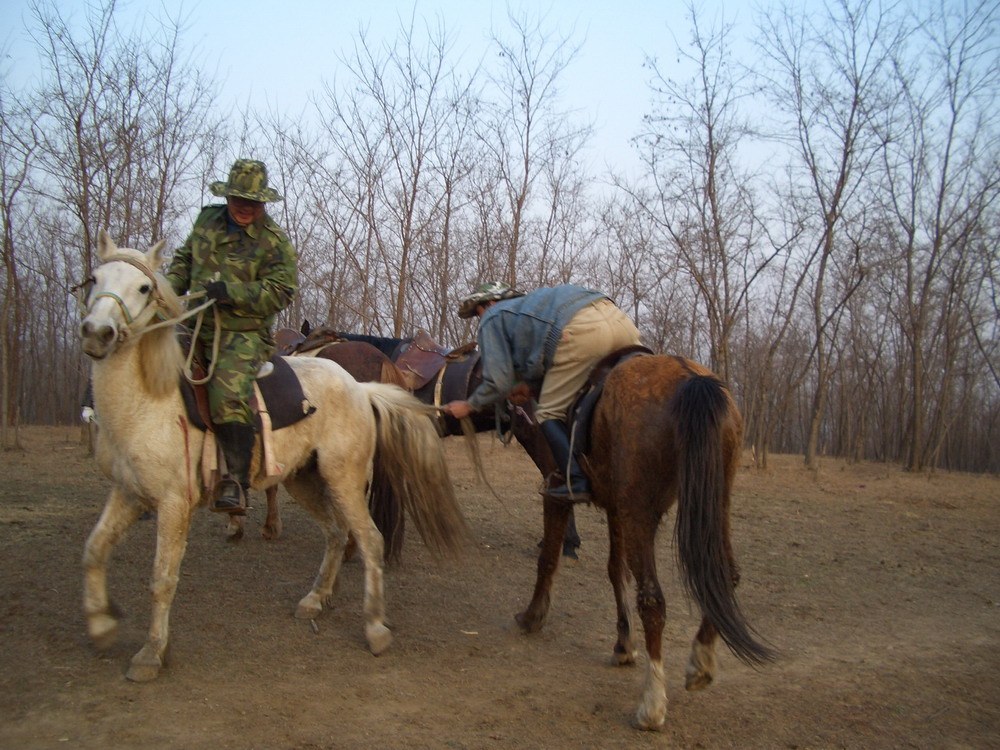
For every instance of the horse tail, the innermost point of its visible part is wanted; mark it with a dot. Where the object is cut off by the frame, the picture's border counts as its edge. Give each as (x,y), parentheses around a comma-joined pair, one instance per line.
(701,410)
(411,460)
(392,374)
(386,510)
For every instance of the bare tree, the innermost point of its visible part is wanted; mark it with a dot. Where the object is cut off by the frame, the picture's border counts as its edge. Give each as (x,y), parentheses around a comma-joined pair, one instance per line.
(18,141)
(390,131)
(703,200)
(942,182)
(118,123)
(528,135)
(829,76)
(125,122)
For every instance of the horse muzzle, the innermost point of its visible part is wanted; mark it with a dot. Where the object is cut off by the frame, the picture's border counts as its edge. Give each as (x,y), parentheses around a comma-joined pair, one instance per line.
(98,339)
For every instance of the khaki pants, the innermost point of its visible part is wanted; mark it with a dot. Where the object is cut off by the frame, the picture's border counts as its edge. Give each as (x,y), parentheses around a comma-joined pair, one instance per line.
(591,334)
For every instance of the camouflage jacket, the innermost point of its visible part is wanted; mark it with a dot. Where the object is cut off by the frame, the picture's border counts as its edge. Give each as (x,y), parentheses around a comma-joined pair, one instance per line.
(257,264)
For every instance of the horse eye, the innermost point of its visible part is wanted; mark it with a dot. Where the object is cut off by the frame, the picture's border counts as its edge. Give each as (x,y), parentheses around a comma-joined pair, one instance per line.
(144,289)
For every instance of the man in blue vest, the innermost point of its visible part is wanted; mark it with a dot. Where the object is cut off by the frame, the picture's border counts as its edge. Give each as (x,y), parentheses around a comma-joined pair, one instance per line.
(547,340)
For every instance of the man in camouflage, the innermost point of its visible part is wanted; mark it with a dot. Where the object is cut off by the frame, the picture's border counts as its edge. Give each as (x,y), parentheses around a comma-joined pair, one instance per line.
(244,261)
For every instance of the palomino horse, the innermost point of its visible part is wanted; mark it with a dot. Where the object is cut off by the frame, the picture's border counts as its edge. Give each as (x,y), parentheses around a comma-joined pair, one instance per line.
(365,364)
(152,453)
(369,358)
(665,430)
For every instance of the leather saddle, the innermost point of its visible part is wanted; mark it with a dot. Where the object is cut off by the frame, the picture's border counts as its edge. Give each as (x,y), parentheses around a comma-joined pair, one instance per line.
(285,403)
(424,360)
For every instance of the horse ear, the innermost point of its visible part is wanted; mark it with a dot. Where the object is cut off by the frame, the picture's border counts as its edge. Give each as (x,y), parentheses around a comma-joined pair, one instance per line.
(154,256)
(306,327)
(105,245)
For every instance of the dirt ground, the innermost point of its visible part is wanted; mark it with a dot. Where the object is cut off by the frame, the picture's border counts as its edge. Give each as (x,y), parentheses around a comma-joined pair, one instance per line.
(881,590)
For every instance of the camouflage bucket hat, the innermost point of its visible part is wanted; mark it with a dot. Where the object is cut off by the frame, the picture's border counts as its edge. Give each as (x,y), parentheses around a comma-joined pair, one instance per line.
(491,291)
(247,179)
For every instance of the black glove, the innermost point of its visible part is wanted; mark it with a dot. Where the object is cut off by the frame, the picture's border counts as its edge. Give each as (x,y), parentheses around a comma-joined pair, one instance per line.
(216,290)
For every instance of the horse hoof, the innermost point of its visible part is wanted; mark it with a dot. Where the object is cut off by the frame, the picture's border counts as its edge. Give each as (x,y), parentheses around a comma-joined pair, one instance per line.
(700,667)
(622,658)
(379,638)
(142,673)
(103,631)
(527,624)
(308,609)
(694,681)
(234,529)
(646,724)
(270,532)
(142,669)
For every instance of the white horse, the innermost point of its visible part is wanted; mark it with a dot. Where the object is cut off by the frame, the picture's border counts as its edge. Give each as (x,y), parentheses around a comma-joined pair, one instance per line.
(152,454)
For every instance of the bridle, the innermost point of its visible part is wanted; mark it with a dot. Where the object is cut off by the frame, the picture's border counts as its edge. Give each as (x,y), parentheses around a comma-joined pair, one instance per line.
(156,306)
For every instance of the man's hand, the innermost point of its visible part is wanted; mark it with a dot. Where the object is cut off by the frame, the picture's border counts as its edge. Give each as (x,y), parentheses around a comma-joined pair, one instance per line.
(216,290)
(458,409)
(520,394)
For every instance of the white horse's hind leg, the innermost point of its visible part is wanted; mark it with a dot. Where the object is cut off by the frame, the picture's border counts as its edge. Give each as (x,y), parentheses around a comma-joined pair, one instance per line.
(173,520)
(347,499)
(310,493)
(371,544)
(102,615)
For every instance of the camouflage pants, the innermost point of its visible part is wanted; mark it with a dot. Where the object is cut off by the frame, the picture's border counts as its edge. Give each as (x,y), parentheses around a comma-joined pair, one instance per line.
(241,353)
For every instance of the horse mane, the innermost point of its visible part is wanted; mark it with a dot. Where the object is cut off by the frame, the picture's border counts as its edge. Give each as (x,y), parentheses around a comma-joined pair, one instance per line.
(171,303)
(161,360)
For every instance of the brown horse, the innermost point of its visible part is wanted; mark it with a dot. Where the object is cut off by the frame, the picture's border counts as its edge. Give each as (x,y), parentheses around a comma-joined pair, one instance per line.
(371,359)
(665,430)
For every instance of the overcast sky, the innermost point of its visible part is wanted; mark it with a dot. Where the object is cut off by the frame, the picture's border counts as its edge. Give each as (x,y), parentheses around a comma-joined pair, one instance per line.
(284,50)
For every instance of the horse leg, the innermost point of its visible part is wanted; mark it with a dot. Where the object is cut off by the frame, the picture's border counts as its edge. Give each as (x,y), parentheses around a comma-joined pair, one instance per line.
(101,613)
(173,520)
(234,527)
(336,509)
(309,491)
(700,668)
(272,524)
(555,518)
(354,506)
(571,538)
(625,646)
(369,540)
(639,538)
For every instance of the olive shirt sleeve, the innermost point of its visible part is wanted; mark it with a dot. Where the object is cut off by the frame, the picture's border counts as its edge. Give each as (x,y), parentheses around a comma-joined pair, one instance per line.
(180,269)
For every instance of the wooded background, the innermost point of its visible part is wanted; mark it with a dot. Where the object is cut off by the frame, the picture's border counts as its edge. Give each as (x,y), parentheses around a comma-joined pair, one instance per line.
(817,221)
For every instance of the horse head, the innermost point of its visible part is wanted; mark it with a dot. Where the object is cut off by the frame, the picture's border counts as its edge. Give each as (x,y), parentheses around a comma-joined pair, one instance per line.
(126,292)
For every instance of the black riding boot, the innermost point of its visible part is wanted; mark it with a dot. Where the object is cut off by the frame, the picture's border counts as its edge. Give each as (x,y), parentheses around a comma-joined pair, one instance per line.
(577,489)
(237,446)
